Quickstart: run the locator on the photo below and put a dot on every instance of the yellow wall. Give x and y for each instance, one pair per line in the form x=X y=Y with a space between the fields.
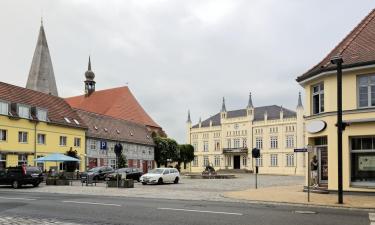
x=350 y=112
x=52 y=132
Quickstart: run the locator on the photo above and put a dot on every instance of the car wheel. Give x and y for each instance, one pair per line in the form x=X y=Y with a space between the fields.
x=36 y=184
x=176 y=180
x=160 y=181
x=144 y=183
x=15 y=184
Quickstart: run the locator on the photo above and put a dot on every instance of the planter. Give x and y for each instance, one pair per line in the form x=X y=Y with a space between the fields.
x=62 y=182
x=50 y=181
x=121 y=183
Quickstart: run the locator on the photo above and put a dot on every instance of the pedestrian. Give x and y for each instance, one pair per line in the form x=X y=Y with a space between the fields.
x=314 y=171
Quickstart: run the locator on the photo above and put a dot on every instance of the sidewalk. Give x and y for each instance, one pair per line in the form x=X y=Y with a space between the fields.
x=294 y=194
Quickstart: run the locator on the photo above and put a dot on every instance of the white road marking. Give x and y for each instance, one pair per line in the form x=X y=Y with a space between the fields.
x=305 y=212
x=192 y=210
x=92 y=203
x=26 y=199
x=371 y=217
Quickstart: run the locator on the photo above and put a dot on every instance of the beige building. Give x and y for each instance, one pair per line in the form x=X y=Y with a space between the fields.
x=226 y=139
x=358 y=94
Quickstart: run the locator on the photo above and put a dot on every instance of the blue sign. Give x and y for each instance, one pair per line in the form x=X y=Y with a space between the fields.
x=103 y=145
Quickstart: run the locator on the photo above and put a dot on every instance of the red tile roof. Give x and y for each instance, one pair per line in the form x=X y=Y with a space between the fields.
x=356 y=49
x=56 y=107
x=116 y=102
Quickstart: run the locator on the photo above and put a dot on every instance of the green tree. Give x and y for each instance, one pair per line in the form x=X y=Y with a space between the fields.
x=166 y=150
x=71 y=166
x=122 y=162
x=186 y=154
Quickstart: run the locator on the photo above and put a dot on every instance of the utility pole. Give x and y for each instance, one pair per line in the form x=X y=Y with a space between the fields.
x=337 y=60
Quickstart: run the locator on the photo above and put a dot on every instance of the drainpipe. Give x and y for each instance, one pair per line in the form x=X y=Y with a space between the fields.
x=35 y=138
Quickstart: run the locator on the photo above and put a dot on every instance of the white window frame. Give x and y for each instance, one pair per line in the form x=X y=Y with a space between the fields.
x=259 y=142
x=369 y=85
x=195 y=161
x=23 y=111
x=63 y=140
x=23 y=136
x=217 y=161
x=41 y=141
x=4 y=108
x=42 y=114
x=274 y=142
x=290 y=160
x=273 y=160
x=206 y=160
x=3 y=135
x=259 y=161
x=290 y=141
x=217 y=145
x=320 y=94
x=77 y=142
x=205 y=146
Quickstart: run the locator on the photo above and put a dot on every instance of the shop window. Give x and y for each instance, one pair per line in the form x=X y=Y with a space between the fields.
x=3 y=161
x=363 y=161
x=22 y=159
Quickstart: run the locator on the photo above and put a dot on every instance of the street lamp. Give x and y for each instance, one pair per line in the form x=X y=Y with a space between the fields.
x=337 y=60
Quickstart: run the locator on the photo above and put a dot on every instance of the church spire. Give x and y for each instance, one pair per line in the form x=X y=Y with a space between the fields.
x=89 y=82
x=299 y=101
x=41 y=76
x=189 y=119
x=223 y=108
x=250 y=103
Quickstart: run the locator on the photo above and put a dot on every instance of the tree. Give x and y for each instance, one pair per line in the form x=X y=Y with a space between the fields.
x=122 y=162
x=186 y=154
x=71 y=166
x=166 y=150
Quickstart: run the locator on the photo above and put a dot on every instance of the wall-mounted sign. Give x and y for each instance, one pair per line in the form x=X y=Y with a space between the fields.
x=103 y=145
x=316 y=126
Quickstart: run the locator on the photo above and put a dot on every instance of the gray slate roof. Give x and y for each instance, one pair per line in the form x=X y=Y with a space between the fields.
x=273 y=112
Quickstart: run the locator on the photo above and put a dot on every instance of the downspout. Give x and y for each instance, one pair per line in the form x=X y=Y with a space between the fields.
x=35 y=138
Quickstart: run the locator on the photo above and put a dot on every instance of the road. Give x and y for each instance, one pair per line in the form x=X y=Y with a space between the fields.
x=46 y=208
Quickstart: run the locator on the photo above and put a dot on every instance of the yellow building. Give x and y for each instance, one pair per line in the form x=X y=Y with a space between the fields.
x=226 y=139
x=358 y=88
x=34 y=124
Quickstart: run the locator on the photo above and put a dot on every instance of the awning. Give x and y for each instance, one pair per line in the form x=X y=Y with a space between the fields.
x=57 y=157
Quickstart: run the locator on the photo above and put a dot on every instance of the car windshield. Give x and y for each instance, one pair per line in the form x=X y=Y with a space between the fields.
x=95 y=169
x=157 y=171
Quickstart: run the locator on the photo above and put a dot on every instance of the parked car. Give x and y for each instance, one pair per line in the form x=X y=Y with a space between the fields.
x=21 y=175
x=96 y=173
x=131 y=173
x=160 y=176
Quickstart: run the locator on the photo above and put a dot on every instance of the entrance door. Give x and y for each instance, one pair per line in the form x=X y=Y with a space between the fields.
x=236 y=162
x=323 y=164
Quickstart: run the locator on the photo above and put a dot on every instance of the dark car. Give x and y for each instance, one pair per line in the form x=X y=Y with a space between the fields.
x=21 y=175
x=96 y=173
x=131 y=173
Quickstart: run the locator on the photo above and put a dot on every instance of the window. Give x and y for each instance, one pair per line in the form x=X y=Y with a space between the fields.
x=42 y=139
x=318 y=99
x=236 y=143
x=244 y=142
x=4 y=108
x=76 y=122
x=3 y=135
x=205 y=146
x=217 y=145
x=229 y=161
x=92 y=144
x=229 y=143
x=3 y=161
x=195 y=145
x=259 y=143
x=217 y=161
x=67 y=120
x=24 y=111
x=244 y=160
x=77 y=142
x=273 y=159
x=259 y=161
x=274 y=142
x=62 y=140
x=290 y=141
x=195 y=162
x=41 y=114
x=205 y=161
x=205 y=136
x=22 y=137
x=289 y=160
x=366 y=91
x=22 y=159
x=363 y=160
x=112 y=163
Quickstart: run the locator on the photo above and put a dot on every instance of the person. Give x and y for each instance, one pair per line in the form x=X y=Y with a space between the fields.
x=314 y=171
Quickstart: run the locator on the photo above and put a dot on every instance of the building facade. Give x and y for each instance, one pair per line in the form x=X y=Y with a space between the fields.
x=34 y=124
x=358 y=87
x=105 y=132
x=226 y=139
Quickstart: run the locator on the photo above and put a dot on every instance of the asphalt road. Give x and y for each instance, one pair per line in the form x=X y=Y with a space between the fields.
x=47 y=208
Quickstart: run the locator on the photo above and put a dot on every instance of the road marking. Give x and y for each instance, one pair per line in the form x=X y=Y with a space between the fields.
x=371 y=217
x=305 y=212
x=192 y=210
x=26 y=199
x=92 y=203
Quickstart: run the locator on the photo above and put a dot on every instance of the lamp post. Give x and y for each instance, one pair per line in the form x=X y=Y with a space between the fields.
x=337 y=60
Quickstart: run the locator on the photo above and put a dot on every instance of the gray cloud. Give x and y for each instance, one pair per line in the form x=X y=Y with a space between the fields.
x=179 y=55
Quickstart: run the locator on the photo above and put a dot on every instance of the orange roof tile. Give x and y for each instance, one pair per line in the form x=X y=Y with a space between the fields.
x=115 y=102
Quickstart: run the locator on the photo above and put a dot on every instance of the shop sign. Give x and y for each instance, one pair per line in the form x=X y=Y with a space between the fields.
x=316 y=126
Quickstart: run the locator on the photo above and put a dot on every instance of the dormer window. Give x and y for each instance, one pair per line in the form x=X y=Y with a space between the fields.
x=105 y=129
x=24 y=111
x=117 y=131
x=4 y=108
x=67 y=120
x=41 y=114
x=95 y=127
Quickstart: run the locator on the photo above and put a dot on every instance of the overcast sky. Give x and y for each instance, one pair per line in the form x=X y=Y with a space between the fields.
x=177 y=55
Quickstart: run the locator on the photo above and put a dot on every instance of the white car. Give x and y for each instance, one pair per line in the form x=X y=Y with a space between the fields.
x=161 y=175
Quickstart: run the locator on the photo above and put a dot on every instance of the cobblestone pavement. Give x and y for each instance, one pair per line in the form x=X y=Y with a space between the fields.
x=190 y=189
x=18 y=220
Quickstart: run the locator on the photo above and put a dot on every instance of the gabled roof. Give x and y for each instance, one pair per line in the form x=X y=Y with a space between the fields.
x=57 y=108
x=41 y=76
x=356 y=49
x=106 y=127
x=115 y=102
x=273 y=112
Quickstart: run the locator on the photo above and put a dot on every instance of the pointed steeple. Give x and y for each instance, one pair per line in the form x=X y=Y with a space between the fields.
x=189 y=119
x=223 y=108
x=89 y=82
x=250 y=103
x=41 y=76
x=299 y=101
